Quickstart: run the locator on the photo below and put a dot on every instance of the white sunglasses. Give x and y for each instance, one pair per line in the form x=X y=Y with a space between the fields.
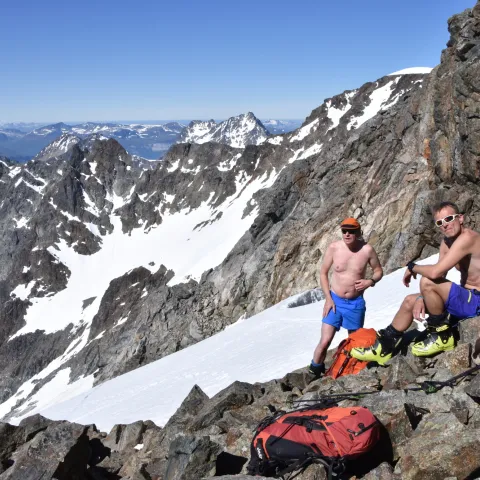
x=446 y=220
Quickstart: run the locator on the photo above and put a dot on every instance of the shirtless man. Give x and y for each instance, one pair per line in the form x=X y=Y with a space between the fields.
x=446 y=302
x=344 y=303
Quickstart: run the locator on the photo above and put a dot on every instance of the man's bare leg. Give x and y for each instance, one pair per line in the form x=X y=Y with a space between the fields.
x=328 y=332
x=435 y=294
x=404 y=317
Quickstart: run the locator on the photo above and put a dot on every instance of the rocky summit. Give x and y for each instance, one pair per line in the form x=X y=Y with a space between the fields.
x=107 y=263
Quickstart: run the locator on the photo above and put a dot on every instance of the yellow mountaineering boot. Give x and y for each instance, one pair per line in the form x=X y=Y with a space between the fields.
x=439 y=339
x=381 y=351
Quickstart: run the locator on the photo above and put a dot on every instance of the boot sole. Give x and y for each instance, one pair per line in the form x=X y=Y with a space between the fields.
x=431 y=354
x=373 y=360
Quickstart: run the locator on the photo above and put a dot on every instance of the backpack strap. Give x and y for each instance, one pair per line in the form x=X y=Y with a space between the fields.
x=340 y=350
x=344 y=364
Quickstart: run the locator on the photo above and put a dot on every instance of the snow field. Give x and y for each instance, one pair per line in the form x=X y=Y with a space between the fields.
x=260 y=348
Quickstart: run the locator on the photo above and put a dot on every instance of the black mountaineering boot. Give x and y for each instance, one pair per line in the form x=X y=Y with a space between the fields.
x=317 y=370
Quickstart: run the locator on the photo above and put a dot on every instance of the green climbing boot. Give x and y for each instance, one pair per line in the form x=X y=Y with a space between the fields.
x=439 y=339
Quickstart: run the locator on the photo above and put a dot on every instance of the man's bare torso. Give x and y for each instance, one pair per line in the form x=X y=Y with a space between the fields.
x=348 y=267
x=469 y=266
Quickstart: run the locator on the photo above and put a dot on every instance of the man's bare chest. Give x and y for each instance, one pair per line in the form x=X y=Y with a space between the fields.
x=354 y=263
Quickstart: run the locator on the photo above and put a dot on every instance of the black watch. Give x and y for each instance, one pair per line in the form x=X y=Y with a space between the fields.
x=373 y=282
x=410 y=266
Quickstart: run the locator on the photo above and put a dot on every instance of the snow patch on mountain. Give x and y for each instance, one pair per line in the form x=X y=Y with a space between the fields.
x=304 y=131
x=314 y=149
x=228 y=164
x=335 y=114
x=275 y=140
x=14 y=172
x=56 y=390
x=412 y=71
x=378 y=100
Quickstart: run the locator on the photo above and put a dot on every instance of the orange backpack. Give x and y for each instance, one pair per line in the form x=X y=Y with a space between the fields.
x=285 y=442
x=342 y=362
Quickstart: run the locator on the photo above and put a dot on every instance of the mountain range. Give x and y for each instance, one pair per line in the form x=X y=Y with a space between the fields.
x=151 y=142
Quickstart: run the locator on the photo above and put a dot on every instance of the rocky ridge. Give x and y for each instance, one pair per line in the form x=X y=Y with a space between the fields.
x=431 y=436
x=382 y=153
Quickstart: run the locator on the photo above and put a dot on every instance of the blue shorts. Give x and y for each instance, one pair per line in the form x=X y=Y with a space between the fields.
x=463 y=303
x=350 y=313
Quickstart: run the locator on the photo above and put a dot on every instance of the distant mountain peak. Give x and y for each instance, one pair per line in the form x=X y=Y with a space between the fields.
x=239 y=131
x=58 y=147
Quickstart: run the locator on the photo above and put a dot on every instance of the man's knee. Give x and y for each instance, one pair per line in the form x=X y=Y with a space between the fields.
x=427 y=284
x=409 y=301
x=325 y=342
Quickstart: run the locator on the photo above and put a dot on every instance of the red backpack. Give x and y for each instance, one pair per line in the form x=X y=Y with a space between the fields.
x=286 y=442
x=342 y=362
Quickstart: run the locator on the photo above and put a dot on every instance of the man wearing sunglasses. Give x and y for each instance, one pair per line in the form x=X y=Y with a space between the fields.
x=446 y=302
x=344 y=303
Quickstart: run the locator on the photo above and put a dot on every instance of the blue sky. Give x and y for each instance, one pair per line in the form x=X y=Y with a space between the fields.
x=145 y=60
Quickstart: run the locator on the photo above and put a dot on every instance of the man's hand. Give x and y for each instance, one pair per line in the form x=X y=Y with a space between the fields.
x=361 y=285
x=419 y=309
x=407 y=277
x=329 y=305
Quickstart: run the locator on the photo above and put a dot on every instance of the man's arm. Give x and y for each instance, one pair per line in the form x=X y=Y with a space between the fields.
x=407 y=276
x=324 y=269
x=374 y=263
x=460 y=249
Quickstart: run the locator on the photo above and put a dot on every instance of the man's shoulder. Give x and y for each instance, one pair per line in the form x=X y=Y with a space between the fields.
x=472 y=238
x=468 y=239
x=368 y=249
x=469 y=235
x=337 y=247
x=334 y=245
